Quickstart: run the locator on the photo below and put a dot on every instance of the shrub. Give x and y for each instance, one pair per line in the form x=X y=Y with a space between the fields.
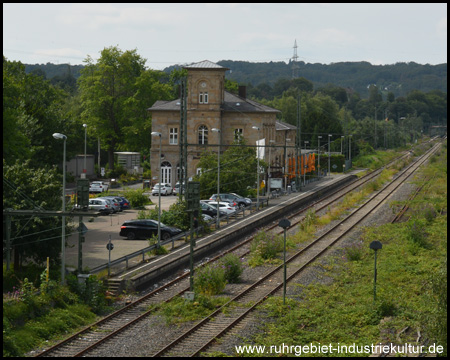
x=210 y=280
x=233 y=268
x=136 y=197
x=264 y=247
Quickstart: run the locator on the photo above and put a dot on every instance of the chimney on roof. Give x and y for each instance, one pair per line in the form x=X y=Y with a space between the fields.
x=243 y=91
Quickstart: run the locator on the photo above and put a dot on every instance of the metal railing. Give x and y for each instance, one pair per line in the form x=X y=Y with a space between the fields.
x=264 y=202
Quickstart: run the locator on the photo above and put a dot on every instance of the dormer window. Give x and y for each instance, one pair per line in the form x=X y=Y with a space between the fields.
x=203 y=98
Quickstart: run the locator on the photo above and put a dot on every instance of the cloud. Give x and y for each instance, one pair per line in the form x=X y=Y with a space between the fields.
x=62 y=52
x=441 y=29
x=97 y=16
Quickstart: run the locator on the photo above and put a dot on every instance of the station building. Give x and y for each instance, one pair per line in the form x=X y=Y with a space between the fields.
x=210 y=106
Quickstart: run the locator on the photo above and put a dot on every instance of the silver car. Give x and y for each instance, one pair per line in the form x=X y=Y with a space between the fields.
x=101 y=205
x=114 y=204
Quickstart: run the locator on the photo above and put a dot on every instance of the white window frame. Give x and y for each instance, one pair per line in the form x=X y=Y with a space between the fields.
x=173 y=136
x=203 y=98
x=238 y=134
x=202 y=135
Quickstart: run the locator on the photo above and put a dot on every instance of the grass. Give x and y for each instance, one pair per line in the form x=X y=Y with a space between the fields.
x=411 y=286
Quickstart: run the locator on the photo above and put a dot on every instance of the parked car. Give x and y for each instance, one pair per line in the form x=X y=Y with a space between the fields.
x=124 y=203
x=223 y=206
x=145 y=229
x=101 y=205
x=210 y=210
x=115 y=201
x=166 y=189
x=176 y=188
x=239 y=200
x=98 y=187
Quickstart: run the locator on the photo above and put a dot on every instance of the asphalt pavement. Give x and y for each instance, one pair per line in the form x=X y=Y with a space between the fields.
x=100 y=229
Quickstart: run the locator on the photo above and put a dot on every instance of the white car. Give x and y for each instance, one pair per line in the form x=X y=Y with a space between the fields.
x=223 y=206
x=98 y=187
x=166 y=189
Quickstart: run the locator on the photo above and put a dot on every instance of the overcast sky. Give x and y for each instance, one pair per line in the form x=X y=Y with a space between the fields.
x=168 y=34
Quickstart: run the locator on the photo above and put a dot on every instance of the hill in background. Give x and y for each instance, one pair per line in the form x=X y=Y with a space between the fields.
x=400 y=78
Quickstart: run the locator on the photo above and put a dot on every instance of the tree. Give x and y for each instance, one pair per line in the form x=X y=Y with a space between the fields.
x=237 y=170
x=28 y=188
x=32 y=111
x=115 y=93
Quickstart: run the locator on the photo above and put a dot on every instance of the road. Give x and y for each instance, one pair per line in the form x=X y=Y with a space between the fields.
x=100 y=229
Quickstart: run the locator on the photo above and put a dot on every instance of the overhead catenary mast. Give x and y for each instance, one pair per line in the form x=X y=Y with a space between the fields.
x=295 y=66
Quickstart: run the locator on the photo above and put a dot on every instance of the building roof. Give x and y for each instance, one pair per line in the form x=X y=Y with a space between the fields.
x=280 y=125
x=232 y=103
x=205 y=64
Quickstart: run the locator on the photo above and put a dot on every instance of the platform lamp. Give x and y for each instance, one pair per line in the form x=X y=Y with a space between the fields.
x=59 y=136
x=155 y=133
x=329 y=155
x=318 y=152
x=257 y=170
x=218 y=178
x=85 y=141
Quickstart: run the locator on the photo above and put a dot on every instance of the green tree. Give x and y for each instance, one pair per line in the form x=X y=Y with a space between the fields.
x=32 y=110
x=237 y=170
x=115 y=93
x=26 y=188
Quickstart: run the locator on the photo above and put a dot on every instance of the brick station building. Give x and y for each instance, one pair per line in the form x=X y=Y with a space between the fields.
x=210 y=106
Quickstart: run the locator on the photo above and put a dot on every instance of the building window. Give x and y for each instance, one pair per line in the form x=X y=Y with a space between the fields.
x=238 y=134
x=173 y=136
x=203 y=135
x=203 y=98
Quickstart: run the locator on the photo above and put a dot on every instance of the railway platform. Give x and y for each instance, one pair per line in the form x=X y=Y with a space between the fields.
x=138 y=274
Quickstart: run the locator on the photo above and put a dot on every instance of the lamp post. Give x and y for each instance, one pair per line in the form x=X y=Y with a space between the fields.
x=270 y=152
x=342 y=141
x=350 y=150
x=63 y=226
x=155 y=133
x=304 y=166
x=257 y=167
x=84 y=164
x=218 y=178
x=318 y=162
x=329 y=155
x=285 y=223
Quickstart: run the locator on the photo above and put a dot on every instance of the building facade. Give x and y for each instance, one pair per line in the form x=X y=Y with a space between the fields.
x=210 y=106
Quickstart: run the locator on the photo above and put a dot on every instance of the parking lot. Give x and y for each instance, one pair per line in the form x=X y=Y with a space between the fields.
x=100 y=229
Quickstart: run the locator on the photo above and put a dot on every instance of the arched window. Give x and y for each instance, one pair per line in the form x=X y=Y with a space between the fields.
x=203 y=135
x=166 y=172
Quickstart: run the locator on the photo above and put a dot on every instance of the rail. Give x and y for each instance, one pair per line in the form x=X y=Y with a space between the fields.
x=229 y=218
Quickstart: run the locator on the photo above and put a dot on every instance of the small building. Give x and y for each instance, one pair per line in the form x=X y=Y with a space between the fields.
x=131 y=161
x=75 y=166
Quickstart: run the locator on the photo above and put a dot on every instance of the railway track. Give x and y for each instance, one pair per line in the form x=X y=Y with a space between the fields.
x=207 y=331
x=84 y=341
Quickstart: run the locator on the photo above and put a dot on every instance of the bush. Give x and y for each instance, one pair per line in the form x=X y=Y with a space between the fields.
x=210 y=280
x=264 y=247
x=136 y=197
x=233 y=268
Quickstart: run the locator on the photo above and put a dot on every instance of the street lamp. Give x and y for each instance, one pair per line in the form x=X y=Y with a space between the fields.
x=155 y=133
x=218 y=178
x=85 y=136
x=59 y=136
x=257 y=170
x=270 y=152
x=318 y=162
x=342 y=141
x=329 y=155
x=304 y=166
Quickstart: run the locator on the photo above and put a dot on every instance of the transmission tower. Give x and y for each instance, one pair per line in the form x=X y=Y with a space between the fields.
x=295 y=66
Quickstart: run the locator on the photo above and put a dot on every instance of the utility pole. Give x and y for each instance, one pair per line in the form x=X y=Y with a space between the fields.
x=298 y=145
